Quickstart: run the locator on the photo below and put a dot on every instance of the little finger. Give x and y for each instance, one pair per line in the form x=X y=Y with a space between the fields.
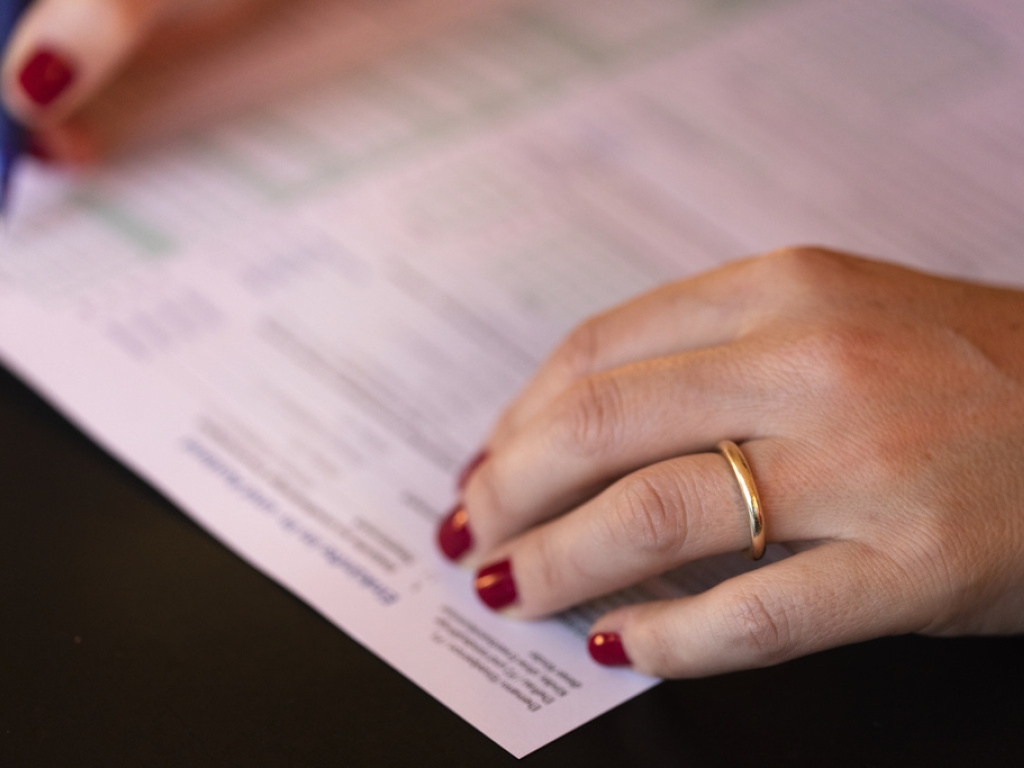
x=838 y=593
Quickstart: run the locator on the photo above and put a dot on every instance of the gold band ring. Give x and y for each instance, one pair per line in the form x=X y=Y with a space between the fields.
x=748 y=489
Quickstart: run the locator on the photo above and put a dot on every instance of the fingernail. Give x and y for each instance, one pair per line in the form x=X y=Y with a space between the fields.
x=496 y=586
x=606 y=648
x=46 y=76
x=469 y=469
x=453 y=537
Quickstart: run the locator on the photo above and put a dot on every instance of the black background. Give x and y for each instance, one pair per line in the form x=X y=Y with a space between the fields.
x=128 y=636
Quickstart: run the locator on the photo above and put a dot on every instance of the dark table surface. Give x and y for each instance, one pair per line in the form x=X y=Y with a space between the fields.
x=129 y=637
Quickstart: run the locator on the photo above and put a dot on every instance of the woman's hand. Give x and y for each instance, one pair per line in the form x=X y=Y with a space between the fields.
x=64 y=51
x=881 y=411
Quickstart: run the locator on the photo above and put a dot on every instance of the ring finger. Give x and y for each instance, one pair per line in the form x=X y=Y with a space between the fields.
x=607 y=426
x=647 y=523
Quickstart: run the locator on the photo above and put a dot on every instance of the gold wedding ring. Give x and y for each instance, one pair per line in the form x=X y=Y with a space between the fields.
x=748 y=489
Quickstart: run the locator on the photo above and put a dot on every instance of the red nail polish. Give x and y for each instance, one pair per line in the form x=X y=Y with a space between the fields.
x=469 y=469
x=606 y=648
x=46 y=76
x=496 y=586
x=453 y=537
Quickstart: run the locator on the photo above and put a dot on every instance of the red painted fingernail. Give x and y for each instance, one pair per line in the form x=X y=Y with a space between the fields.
x=496 y=586
x=453 y=537
x=469 y=469
x=606 y=648
x=46 y=76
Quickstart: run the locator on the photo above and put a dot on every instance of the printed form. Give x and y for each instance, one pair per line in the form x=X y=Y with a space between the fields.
x=298 y=317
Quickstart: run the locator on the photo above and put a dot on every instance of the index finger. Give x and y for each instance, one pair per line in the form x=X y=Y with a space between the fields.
x=63 y=51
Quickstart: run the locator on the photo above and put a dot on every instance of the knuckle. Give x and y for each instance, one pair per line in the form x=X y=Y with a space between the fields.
x=547 y=567
x=804 y=279
x=806 y=266
x=580 y=353
x=559 y=576
x=660 y=646
x=592 y=415
x=844 y=353
x=839 y=361
x=491 y=521
x=760 y=626
x=650 y=518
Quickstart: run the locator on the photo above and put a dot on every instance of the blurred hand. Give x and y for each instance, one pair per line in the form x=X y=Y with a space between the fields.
x=65 y=51
x=881 y=411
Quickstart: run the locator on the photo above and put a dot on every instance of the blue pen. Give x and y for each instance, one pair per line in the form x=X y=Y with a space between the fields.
x=12 y=135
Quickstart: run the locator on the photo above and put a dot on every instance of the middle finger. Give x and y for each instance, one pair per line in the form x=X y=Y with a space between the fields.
x=606 y=426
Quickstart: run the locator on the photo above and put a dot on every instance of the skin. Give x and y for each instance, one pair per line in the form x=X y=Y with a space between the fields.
x=881 y=411
x=100 y=40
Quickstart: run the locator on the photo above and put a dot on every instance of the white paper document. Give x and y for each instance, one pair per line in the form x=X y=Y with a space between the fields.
x=297 y=315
